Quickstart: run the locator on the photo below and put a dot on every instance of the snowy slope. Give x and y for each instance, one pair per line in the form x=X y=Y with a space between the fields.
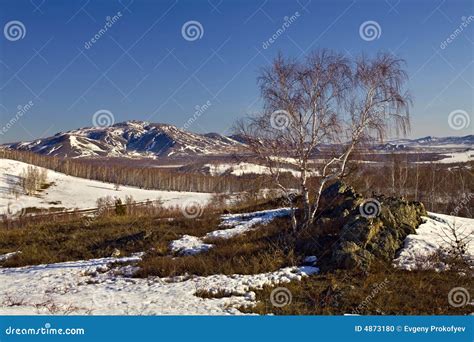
x=432 y=235
x=73 y=192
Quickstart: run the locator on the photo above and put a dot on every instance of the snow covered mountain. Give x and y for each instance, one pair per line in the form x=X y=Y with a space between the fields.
x=144 y=139
x=427 y=142
x=129 y=139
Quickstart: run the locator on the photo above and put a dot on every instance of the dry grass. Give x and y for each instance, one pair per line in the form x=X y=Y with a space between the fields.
x=76 y=238
x=210 y=295
x=383 y=291
x=261 y=250
x=79 y=239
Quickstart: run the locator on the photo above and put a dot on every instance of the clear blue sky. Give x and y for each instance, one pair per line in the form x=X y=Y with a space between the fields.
x=142 y=68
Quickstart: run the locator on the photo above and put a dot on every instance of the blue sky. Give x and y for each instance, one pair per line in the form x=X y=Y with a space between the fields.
x=143 y=68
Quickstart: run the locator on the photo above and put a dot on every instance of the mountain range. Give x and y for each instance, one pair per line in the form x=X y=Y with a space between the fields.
x=129 y=139
x=427 y=142
x=144 y=139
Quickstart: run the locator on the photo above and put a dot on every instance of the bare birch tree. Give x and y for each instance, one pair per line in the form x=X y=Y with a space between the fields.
x=32 y=179
x=325 y=100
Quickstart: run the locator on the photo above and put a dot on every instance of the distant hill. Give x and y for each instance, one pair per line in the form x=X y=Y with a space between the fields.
x=129 y=139
x=154 y=140
x=427 y=142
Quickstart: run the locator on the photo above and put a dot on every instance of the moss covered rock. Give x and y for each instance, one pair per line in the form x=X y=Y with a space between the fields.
x=353 y=231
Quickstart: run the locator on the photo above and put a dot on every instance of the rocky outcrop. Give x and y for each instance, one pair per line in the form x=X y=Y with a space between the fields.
x=353 y=231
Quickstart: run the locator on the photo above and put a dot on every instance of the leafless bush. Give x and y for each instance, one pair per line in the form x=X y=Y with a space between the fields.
x=10 y=301
x=104 y=205
x=457 y=240
x=56 y=309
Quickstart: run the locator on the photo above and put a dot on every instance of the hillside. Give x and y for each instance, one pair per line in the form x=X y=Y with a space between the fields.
x=72 y=192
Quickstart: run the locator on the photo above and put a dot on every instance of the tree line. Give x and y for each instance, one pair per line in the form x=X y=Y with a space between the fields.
x=143 y=177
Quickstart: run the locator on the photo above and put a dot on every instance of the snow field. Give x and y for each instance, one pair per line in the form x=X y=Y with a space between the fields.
x=73 y=192
x=91 y=287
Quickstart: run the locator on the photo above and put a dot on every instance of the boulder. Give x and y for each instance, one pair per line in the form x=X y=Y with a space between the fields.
x=353 y=231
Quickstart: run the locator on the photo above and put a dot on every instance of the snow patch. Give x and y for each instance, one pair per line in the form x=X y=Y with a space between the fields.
x=91 y=287
x=242 y=223
x=4 y=257
x=430 y=238
x=312 y=259
x=189 y=245
x=239 y=223
x=244 y=168
x=455 y=157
